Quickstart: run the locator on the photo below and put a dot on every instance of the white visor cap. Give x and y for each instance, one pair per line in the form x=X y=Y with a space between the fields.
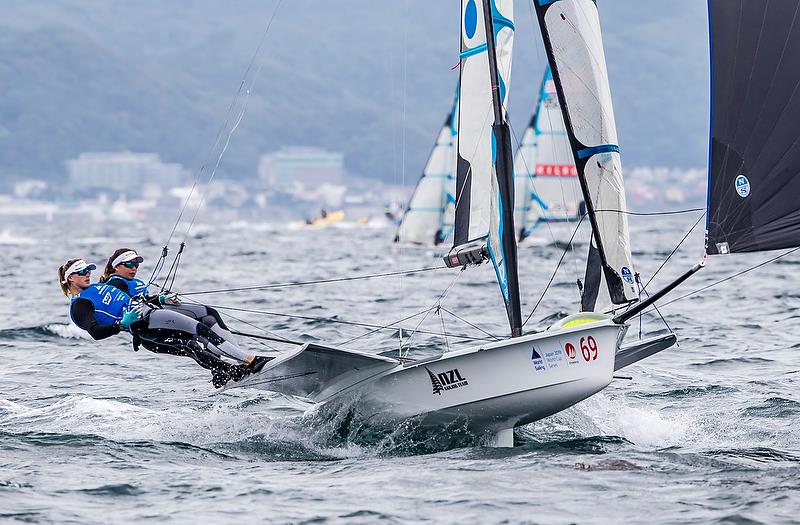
x=77 y=266
x=128 y=256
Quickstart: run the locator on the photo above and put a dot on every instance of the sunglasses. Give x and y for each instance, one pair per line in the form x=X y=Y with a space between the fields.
x=84 y=272
x=130 y=264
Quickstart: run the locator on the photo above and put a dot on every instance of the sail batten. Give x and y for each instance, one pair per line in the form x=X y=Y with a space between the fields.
x=754 y=157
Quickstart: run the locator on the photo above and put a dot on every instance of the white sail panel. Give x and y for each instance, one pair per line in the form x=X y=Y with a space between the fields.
x=475 y=117
x=573 y=27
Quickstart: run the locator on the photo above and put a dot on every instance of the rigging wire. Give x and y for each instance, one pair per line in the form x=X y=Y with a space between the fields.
x=558 y=265
x=575 y=231
x=759 y=265
x=436 y=306
x=340 y=321
x=495 y=337
x=644 y=288
x=318 y=281
x=219 y=135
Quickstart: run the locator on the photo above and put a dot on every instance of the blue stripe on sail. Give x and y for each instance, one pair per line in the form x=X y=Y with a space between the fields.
x=547 y=2
x=499 y=21
x=474 y=51
x=604 y=148
x=540 y=201
x=501 y=280
x=438 y=175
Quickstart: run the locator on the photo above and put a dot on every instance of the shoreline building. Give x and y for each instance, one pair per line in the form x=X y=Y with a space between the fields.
x=123 y=172
x=294 y=169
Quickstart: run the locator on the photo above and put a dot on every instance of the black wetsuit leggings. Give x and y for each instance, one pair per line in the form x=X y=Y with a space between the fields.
x=166 y=331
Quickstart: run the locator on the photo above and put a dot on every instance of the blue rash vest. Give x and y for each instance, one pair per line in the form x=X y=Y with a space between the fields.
x=109 y=302
x=135 y=286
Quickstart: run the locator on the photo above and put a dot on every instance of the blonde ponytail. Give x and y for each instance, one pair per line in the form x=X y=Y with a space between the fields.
x=62 y=280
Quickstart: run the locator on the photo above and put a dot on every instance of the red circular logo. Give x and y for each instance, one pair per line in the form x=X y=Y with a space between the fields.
x=569 y=348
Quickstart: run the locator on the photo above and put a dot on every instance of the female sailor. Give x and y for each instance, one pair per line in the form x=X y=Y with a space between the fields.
x=120 y=272
x=103 y=311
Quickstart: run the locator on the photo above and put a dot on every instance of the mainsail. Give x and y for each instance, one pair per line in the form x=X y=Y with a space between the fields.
x=754 y=161
x=571 y=33
x=545 y=177
x=429 y=216
x=484 y=215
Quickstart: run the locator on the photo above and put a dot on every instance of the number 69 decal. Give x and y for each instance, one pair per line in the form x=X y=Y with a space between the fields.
x=589 y=348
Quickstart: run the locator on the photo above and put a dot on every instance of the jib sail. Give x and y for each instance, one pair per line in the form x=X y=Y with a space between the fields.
x=571 y=33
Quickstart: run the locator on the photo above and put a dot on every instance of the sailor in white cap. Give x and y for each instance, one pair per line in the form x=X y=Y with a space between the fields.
x=104 y=310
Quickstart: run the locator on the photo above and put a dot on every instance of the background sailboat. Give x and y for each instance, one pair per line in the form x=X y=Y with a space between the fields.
x=545 y=178
x=428 y=219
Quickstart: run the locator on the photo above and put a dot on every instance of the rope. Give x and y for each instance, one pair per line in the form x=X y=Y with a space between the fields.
x=319 y=281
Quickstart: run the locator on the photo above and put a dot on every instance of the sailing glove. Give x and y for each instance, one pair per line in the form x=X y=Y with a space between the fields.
x=130 y=317
x=169 y=299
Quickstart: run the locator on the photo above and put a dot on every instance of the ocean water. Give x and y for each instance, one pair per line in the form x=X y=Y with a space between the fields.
x=92 y=432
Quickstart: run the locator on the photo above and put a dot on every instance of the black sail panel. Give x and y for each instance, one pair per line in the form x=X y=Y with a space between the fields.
x=754 y=171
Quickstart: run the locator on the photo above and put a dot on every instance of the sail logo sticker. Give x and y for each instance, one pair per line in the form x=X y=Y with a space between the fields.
x=742 y=186
x=446 y=380
x=626 y=274
x=572 y=353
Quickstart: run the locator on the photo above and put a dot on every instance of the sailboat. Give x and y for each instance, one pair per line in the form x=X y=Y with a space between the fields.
x=754 y=178
x=500 y=385
x=545 y=177
x=428 y=219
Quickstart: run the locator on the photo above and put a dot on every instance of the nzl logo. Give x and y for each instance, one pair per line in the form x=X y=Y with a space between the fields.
x=446 y=380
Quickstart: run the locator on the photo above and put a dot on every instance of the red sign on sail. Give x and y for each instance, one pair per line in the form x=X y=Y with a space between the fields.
x=556 y=170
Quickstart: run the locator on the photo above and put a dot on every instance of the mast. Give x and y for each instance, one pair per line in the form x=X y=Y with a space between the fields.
x=573 y=28
x=504 y=173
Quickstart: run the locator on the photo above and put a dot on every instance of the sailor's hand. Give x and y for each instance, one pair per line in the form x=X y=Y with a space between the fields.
x=171 y=298
x=130 y=317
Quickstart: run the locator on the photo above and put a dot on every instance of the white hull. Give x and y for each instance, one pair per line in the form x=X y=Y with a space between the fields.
x=491 y=388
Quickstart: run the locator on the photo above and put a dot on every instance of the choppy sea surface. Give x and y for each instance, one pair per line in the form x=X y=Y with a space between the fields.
x=92 y=432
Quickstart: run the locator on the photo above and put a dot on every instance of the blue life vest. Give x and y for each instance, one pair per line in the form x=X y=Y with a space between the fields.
x=135 y=286
x=109 y=302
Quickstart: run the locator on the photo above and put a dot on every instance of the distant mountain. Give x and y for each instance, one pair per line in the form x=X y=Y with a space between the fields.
x=370 y=79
